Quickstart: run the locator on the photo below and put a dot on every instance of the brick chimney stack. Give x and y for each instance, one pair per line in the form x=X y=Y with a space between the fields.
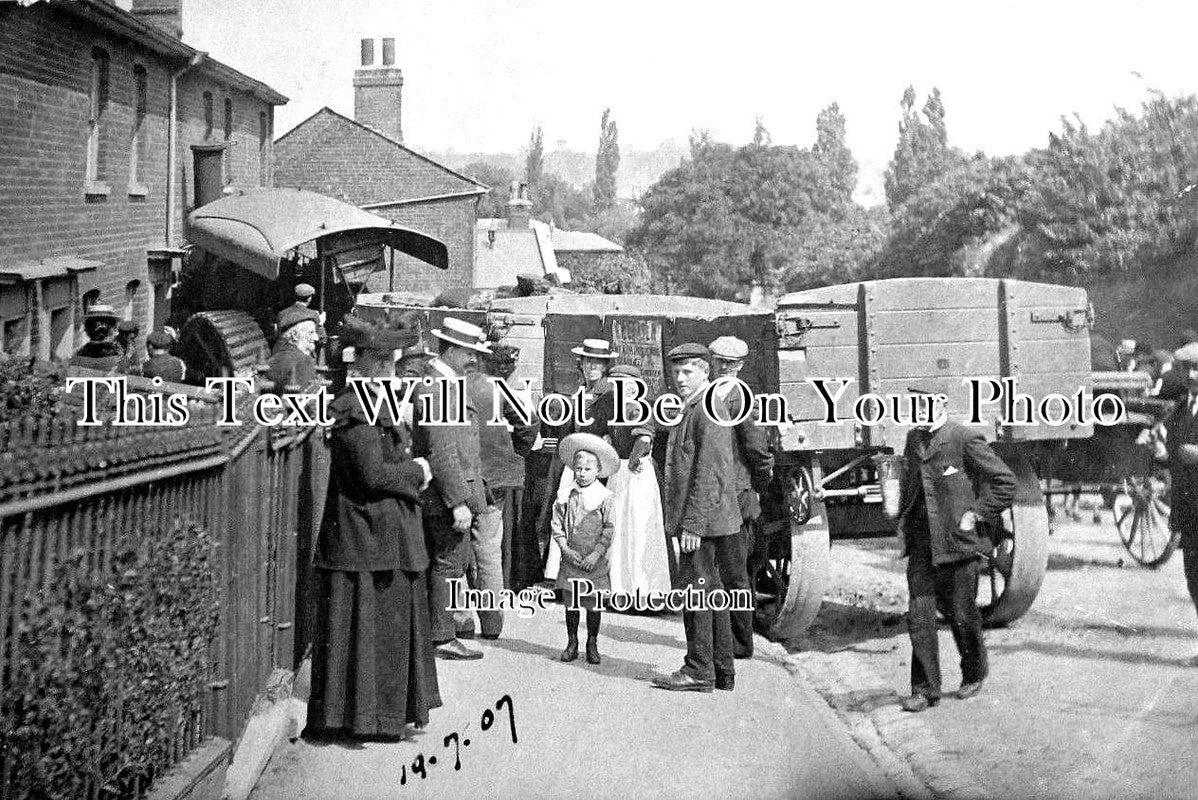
x=166 y=15
x=378 y=91
x=519 y=207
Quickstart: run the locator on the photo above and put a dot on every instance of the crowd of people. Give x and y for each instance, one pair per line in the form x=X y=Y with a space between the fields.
x=413 y=508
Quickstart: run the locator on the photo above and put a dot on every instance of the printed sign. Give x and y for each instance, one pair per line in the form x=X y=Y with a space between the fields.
x=638 y=341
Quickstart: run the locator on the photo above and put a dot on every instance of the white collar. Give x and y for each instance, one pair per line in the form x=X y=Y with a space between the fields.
x=592 y=496
x=442 y=368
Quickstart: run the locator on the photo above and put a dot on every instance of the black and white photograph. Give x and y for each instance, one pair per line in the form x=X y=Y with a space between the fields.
x=518 y=399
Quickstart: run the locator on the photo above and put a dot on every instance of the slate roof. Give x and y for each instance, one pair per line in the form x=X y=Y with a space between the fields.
x=581 y=242
x=337 y=156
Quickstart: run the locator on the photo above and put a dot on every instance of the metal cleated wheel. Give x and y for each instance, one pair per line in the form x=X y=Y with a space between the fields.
x=790 y=585
x=222 y=343
x=1141 y=511
x=1013 y=568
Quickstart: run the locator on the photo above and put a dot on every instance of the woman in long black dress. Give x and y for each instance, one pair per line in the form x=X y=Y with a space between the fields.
x=373 y=667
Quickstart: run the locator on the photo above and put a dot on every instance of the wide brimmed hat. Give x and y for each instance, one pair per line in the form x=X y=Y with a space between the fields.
x=594 y=348
x=462 y=334
x=362 y=335
x=609 y=460
x=101 y=311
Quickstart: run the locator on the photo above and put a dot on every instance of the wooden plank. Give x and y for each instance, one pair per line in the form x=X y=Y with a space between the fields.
x=917 y=361
x=1054 y=357
x=818 y=362
x=935 y=325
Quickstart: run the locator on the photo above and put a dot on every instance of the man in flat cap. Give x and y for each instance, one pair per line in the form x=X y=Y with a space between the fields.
x=457 y=495
x=1181 y=444
x=301 y=310
x=952 y=482
x=161 y=364
x=702 y=513
x=753 y=466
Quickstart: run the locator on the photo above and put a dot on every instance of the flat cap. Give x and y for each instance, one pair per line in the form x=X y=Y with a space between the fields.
x=729 y=347
x=1187 y=353
x=304 y=290
x=625 y=370
x=159 y=340
x=293 y=315
x=688 y=350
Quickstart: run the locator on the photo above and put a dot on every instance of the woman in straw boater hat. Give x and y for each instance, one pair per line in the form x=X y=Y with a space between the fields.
x=100 y=352
x=582 y=527
x=373 y=668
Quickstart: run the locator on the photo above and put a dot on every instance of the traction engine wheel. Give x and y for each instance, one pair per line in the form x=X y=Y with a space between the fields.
x=222 y=343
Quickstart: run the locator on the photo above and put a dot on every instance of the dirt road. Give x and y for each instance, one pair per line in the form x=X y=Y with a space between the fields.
x=1088 y=695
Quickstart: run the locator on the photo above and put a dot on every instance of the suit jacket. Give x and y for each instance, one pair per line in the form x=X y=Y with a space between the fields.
x=959 y=472
x=752 y=460
x=1182 y=428
x=700 y=484
x=503 y=450
x=372 y=514
x=453 y=451
x=291 y=366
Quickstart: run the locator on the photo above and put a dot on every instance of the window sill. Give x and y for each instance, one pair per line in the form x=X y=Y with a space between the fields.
x=139 y=191
x=96 y=189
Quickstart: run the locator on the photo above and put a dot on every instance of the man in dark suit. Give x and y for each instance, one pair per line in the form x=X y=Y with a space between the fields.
x=1181 y=443
x=457 y=494
x=702 y=512
x=754 y=466
x=953 y=481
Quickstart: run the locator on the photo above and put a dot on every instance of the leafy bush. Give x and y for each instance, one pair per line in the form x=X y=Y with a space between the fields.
x=110 y=666
x=28 y=388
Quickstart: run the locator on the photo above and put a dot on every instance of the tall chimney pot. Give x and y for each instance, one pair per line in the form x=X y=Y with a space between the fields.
x=388 y=52
x=378 y=91
x=368 y=52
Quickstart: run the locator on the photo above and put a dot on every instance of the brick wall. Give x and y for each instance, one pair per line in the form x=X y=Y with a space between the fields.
x=452 y=222
x=45 y=108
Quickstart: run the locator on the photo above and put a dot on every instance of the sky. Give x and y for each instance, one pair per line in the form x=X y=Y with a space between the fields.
x=478 y=75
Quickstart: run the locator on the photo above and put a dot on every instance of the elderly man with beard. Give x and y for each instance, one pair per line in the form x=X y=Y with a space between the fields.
x=754 y=467
x=702 y=512
x=292 y=365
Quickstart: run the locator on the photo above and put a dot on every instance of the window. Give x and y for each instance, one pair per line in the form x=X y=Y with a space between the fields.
x=16 y=336
x=263 y=149
x=228 y=140
x=131 y=289
x=208 y=116
x=96 y=166
x=137 y=145
x=61 y=327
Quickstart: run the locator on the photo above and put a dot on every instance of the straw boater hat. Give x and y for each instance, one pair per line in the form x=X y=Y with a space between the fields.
x=101 y=311
x=463 y=334
x=609 y=460
x=594 y=348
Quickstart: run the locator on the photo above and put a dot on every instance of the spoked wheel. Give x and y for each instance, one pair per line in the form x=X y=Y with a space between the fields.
x=790 y=585
x=222 y=343
x=1013 y=567
x=1141 y=512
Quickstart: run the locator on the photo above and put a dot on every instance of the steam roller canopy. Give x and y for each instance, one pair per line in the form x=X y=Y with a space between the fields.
x=222 y=343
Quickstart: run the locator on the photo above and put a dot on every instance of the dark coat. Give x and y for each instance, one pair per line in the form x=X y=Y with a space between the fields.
x=752 y=459
x=503 y=451
x=290 y=366
x=372 y=514
x=1182 y=428
x=700 y=482
x=959 y=472
x=453 y=451
x=164 y=366
x=103 y=356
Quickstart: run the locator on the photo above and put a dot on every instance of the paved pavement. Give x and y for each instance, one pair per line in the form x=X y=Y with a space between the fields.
x=586 y=731
x=1088 y=697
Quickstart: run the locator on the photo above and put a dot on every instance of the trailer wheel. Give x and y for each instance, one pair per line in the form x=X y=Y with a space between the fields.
x=222 y=343
x=792 y=582
x=1013 y=568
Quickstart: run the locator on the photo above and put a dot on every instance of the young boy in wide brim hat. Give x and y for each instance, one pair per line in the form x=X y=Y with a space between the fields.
x=583 y=526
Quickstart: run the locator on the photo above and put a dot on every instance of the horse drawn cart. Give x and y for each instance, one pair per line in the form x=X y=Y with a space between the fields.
x=1122 y=465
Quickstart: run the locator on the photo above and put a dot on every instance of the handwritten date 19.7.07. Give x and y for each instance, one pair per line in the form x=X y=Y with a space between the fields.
x=421 y=764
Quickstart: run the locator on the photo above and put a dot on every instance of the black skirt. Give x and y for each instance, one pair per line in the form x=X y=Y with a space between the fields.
x=374 y=670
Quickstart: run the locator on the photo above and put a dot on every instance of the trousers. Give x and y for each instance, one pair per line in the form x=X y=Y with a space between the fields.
x=484 y=569
x=448 y=551
x=737 y=577
x=1189 y=562
x=708 y=633
x=953 y=587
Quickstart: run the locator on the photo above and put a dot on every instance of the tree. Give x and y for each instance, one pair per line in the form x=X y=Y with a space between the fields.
x=607 y=163
x=922 y=153
x=494 y=203
x=534 y=162
x=834 y=154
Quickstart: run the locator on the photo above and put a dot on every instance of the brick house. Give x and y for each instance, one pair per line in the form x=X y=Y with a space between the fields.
x=98 y=108
x=364 y=161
